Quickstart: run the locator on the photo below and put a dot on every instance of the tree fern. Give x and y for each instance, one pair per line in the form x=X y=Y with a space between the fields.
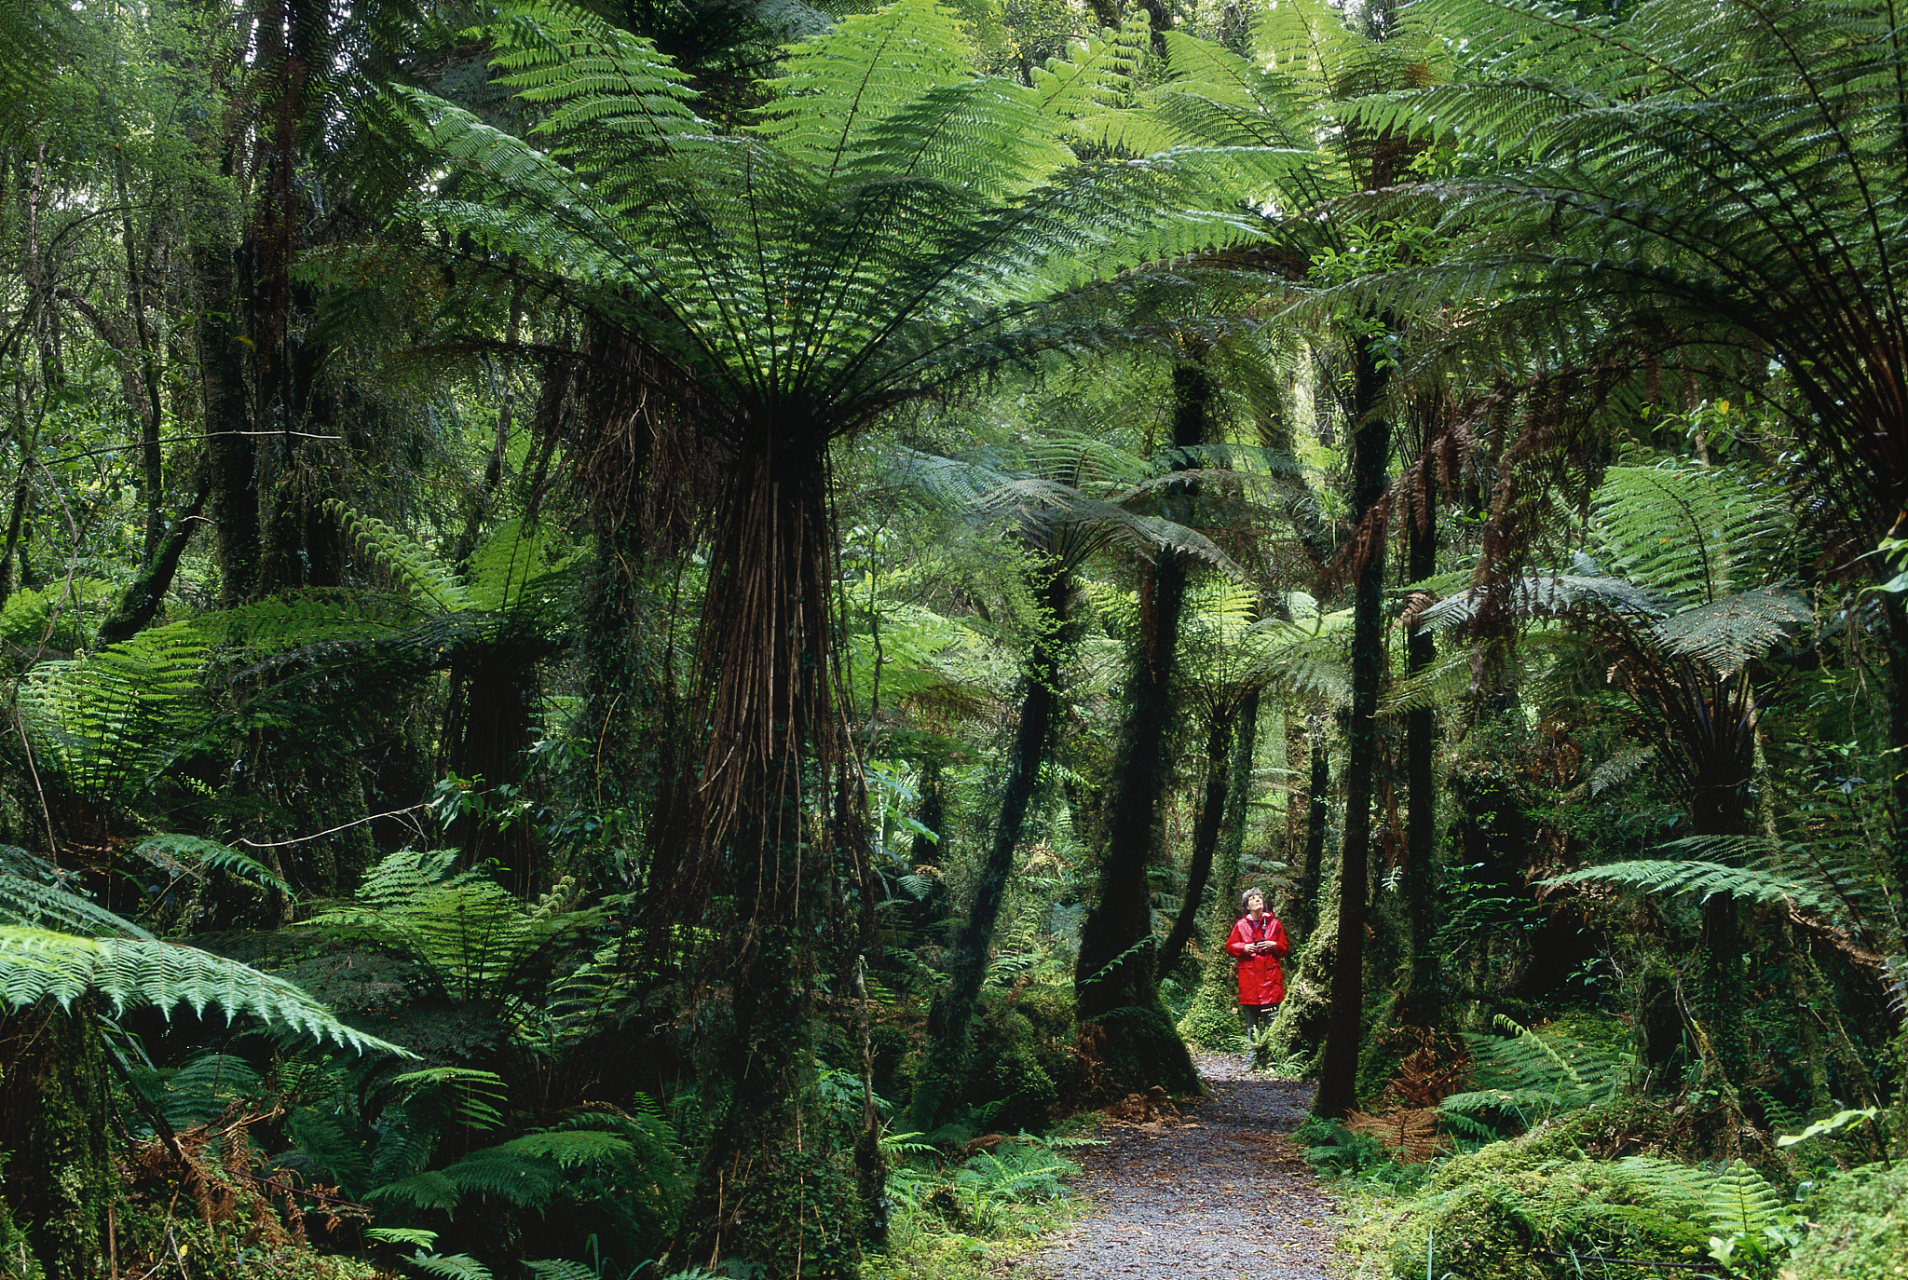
x=474 y=938
x=1728 y=173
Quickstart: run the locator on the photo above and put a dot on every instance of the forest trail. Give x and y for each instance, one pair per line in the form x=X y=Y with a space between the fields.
x=1217 y=1192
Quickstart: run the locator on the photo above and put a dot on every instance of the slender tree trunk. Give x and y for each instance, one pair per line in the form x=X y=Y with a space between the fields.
x=1317 y=817
x=141 y=600
x=1124 y=1029
x=1212 y=1020
x=1421 y=819
x=1205 y=837
x=944 y=1072
x=1371 y=452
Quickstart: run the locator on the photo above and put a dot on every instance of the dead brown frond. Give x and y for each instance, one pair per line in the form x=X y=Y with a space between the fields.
x=1410 y=1134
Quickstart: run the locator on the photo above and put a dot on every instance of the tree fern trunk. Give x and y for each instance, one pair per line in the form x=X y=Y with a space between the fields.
x=760 y=868
x=54 y=1121
x=1371 y=453
x=945 y=1065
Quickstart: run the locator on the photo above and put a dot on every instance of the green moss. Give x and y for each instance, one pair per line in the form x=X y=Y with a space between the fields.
x=60 y=1179
x=801 y=1218
x=1492 y=1214
x=1860 y=1228
x=1023 y=1064
x=1212 y=1020
x=1499 y=1223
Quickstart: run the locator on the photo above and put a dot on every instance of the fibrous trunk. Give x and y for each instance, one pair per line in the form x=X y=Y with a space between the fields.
x=766 y=841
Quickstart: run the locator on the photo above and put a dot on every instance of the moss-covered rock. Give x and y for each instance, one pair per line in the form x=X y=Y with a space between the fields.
x=1861 y=1228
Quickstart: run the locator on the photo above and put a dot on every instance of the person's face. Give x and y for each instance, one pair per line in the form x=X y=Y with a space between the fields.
x=1255 y=904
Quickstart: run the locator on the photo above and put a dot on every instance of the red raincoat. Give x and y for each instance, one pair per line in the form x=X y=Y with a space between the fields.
x=1261 y=977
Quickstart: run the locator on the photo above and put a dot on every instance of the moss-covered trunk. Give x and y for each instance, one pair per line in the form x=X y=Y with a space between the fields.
x=944 y=1066
x=54 y=1122
x=1125 y=1031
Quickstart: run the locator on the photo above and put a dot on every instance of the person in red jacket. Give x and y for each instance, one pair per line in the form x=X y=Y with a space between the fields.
x=1257 y=942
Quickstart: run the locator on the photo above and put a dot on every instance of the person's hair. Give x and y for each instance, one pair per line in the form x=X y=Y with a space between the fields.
x=1246 y=897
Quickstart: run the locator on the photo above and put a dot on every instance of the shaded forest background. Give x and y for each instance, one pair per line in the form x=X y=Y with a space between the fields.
x=656 y=639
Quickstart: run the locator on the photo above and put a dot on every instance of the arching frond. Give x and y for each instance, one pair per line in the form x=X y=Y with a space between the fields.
x=194 y=856
x=36 y=965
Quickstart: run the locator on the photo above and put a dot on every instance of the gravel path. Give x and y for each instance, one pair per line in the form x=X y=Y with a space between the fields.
x=1216 y=1192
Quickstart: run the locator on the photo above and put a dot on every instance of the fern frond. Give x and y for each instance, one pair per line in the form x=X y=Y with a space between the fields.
x=35 y=893
x=475 y=1096
x=1741 y=1201
x=431 y=582
x=1668 y=878
x=450 y=1266
x=1728 y=631
x=1695 y=533
x=204 y=1089
x=836 y=91
x=515 y=568
x=1621 y=765
x=471 y=935
x=109 y=722
x=37 y=965
x=560 y=1269
x=182 y=855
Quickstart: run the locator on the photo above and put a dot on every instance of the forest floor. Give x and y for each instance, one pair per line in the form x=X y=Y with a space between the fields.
x=1211 y=1189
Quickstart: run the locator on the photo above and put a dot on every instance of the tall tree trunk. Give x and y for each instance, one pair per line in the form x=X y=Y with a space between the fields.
x=944 y=1072
x=1205 y=837
x=1421 y=815
x=1371 y=452
x=231 y=467
x=1124 y=1029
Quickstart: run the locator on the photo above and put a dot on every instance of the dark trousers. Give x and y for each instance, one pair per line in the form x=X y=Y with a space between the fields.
x=1258 y=1019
